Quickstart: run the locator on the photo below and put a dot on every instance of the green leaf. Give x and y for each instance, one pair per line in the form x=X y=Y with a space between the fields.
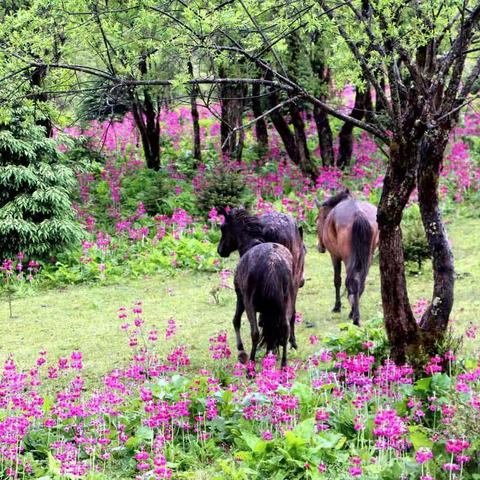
x=441 y=383
x=423 y=384
x=419 y=439
x=256 y=444
x=329 y=439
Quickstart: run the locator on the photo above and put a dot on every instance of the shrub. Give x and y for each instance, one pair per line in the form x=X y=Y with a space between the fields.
x=36 y=215
x=223 y=187
x=415 y=243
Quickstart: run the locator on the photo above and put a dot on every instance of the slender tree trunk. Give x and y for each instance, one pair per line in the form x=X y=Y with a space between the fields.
x=36 y=79
x=232 y=101
x=261 y=131
x=306 y=164
x=400 y=323
x=435 y=319
x=325 y=137
x=282 y=127
x=148 y=124
x=147 y=121
x=197 y=145
x=345 y=137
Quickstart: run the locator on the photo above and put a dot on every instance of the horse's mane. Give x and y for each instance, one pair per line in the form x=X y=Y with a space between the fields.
x=336 y=199
x=250 y=223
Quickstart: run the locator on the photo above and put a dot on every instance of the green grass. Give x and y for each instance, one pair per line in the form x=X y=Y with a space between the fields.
x=85 y=317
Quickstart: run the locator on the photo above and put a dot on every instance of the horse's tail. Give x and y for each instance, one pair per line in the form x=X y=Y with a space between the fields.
x=359 y=263
x=276 y=293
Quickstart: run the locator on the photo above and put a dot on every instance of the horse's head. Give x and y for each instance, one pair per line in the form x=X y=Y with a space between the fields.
x=320 y=221
x=238 y=230
x=228 y=241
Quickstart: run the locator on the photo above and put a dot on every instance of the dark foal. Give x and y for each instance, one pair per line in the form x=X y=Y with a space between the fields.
x=348 y=229
x=240 y=228
x=264 y=284
x=244 y=232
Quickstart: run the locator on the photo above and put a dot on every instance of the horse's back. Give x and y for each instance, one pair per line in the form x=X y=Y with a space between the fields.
x=283 y=229
x=264 y=269
x=339 y=223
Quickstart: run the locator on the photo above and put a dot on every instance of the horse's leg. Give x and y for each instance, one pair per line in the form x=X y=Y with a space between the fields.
x=355 y=313
x=284 y=340
x=337 y=280
x=242 y=354
x=353 y=289
x=293 y=340
x=252 y=318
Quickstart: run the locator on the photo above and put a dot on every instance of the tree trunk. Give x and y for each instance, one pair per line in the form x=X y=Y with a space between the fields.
x=261 y=131
x=147 y=121
x=148 y=124
x=282 y=128
x=435 y=320
x=36 y=80
x=197 y=145
x=232 y=101
x=402 y=329
x=325 y=137
x=306 y=164
x=345 y=137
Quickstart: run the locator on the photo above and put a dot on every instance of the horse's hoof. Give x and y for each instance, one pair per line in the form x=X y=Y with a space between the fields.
x=350 y=315
x=356 y=322
x=336 y=309
x=293 y=344
x=243 y=357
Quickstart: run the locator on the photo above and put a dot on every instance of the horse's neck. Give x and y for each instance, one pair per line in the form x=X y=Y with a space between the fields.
x=247 y=244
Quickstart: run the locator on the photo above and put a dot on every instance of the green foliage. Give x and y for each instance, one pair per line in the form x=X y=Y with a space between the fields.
x=159 y=193
x=415 y=243
x=370 y=337
x=104 y=102
x=223 y=187
x=36 y=215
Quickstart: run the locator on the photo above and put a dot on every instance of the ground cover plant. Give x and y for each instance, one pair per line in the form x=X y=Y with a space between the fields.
x=181 y=407
x=128 y=132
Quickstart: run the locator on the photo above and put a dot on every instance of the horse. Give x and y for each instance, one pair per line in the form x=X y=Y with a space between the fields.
x=264 y=283
x=240 y=228
x=348 y=229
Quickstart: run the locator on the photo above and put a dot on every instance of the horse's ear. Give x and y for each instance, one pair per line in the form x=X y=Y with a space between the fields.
x=347 y=191
x=317 y=202
x=300 y=229
x=222 y=211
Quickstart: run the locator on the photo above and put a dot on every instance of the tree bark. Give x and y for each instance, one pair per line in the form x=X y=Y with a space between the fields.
x=232 y=101
x=282 y=128
x=36 y=79
x=261 y=131
x=197 y=144
x=435 y=319
x=147 y=121
x=399 y=182
x=345 y=137
x=325 y=137
x=306 y=164
x=148 y=125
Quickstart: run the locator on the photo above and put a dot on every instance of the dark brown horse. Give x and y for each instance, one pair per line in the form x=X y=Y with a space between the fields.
x=264 y=284
x=240 y=228
x=260 y=280
x=348 y=229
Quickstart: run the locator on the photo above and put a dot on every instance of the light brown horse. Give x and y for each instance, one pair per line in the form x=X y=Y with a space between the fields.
x=348 y=229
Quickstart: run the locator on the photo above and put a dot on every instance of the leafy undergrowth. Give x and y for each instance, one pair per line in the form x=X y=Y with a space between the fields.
x=346 y=411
